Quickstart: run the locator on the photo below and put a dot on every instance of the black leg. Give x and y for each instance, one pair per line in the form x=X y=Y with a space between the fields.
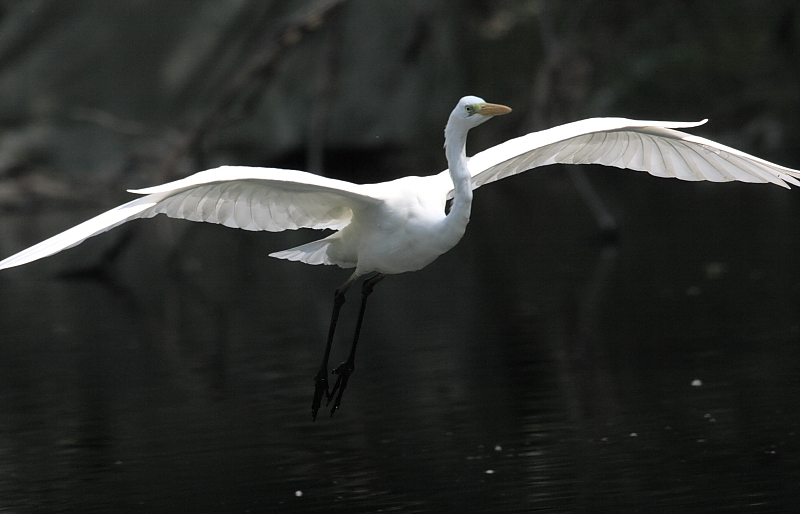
x=321 y=379
x=346 y=368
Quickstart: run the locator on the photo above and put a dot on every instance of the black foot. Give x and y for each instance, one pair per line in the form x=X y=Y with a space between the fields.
x=344 y=371
x=320 y=389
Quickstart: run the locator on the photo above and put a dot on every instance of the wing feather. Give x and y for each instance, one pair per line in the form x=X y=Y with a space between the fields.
x=262 y=199
x=651 y=146
x=234 y=196
x=632 y=149
x=85 y=230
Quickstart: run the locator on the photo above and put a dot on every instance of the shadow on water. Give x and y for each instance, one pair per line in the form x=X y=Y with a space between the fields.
x=531 y=368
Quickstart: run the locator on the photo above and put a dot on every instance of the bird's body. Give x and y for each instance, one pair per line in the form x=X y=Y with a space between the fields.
x=401 y=225
x=402 y=231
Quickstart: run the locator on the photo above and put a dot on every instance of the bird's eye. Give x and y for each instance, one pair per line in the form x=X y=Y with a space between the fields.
x=470 y=110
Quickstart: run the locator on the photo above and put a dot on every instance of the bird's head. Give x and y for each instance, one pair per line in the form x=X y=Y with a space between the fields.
x=472 y=111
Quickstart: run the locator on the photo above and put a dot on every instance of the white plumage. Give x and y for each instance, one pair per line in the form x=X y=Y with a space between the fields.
x=276 y=199
x=651 y=146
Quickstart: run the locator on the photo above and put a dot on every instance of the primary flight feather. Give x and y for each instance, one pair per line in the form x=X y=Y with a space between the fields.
x=401 y=225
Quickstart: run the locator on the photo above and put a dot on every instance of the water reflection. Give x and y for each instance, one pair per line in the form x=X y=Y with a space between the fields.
x=529 y=369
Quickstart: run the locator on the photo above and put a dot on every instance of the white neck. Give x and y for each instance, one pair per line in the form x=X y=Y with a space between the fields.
x=455 y=142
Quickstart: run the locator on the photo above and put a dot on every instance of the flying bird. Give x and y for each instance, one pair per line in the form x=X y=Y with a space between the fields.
x=403 y=225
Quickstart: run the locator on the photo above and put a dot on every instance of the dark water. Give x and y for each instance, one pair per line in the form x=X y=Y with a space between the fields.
x=531 y=369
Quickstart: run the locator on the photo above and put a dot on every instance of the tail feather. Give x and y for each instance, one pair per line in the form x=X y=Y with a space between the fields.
x=315 y=252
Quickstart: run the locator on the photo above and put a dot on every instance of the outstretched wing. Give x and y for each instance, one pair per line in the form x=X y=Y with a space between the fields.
x=651 y=146
x=260 y=199
x=234 y=196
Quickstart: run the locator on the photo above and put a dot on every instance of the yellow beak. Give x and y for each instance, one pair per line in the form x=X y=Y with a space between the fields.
x=493 y=109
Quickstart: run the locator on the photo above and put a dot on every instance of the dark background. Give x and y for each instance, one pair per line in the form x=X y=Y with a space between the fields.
x=549 y=363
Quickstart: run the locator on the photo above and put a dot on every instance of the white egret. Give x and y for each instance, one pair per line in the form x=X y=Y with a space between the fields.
x=401 y=225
